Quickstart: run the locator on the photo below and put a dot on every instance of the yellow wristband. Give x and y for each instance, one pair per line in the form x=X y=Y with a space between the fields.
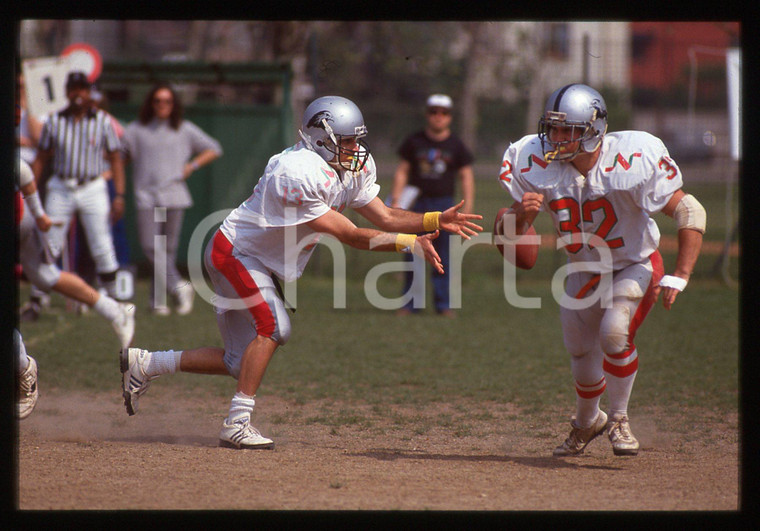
x=431 y=221
x=405 y=243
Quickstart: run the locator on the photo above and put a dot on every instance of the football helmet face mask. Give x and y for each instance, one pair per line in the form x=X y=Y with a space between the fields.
x=579 y=108
x=333 y=127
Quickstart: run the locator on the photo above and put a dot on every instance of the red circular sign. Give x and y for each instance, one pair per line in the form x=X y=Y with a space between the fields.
x=85 y=58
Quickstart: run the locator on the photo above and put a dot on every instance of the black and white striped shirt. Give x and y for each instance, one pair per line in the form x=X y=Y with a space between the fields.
x=78 y=146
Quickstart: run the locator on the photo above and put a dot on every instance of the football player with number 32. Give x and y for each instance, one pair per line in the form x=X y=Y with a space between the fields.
x=271 y=236
x=601 y=190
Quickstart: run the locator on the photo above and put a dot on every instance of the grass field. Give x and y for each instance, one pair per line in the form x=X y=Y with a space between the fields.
x=689 y=356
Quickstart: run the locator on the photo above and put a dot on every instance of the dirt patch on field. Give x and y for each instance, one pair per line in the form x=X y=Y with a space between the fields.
x=81 y=451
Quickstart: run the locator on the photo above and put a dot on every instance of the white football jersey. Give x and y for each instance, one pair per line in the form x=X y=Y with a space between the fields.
x=633 y=178
x=297 y=186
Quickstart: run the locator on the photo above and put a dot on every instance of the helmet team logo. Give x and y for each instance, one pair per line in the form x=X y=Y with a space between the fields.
x=332 y=127
x=319 y=119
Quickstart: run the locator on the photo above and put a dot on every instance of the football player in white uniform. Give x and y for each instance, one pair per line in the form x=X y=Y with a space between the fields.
x=271 y=235
x=601 y=190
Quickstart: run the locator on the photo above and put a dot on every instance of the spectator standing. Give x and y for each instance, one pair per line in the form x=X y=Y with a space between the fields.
x=165 y=150
x=74 y=140
x=85 y=266
x=431 y=161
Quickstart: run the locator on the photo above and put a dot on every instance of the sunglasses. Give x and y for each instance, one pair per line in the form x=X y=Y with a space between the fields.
x=163 y=100
x=444 y=112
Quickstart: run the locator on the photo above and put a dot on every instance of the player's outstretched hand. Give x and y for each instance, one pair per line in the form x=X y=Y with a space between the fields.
x=456 y=222
x=424 y=247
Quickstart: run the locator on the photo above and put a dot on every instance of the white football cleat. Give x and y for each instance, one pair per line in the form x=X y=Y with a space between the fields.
x=27 y=392
x=579 y=437
x=184 y=294
x=621 y=437
x=241 y=435
x=134 y=379
x=124 y=324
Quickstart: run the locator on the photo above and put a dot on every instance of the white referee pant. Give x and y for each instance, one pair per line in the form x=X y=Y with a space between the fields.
x=90 y=200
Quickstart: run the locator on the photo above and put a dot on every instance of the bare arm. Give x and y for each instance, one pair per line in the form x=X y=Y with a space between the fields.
x=400 y=178
x=391 y=219
x=689 y=245
x=345 y=231
x=119 y=182
x=467 y=178
x=204 y=157
x=40 y=162
x=398 y=220
x=35 y=131
x=41 y=218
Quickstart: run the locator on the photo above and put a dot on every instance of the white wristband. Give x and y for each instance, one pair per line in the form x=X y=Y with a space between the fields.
x=669 y=281
x=35 y=205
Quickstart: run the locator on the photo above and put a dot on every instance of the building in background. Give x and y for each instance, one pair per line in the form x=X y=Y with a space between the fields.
x=664 y=77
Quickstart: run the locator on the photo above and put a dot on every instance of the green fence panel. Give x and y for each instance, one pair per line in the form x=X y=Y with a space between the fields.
x=249 y=134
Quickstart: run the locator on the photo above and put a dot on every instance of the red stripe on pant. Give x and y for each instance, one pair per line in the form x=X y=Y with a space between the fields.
x=234 y=271
x=646 y=304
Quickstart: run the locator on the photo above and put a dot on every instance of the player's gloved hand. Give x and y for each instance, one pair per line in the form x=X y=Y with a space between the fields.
x=456 y=222
x=424 y=248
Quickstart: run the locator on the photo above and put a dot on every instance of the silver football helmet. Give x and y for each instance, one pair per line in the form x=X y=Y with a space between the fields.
x=328 y=120
x=579 y=107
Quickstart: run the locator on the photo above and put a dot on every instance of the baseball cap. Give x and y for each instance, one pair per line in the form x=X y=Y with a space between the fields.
x=439 y=100
x=78 y=79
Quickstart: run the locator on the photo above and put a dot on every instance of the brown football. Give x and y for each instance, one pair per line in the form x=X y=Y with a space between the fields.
x=525 y=254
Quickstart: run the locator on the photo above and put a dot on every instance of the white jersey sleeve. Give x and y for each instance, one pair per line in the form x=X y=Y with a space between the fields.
x=665 y=176
x=510 y=177
x=367 y=188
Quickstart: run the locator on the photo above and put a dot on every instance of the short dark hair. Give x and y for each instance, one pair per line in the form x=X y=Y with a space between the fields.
x=77 y=79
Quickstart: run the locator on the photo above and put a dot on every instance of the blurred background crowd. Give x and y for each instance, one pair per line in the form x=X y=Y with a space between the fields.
x=246 y=83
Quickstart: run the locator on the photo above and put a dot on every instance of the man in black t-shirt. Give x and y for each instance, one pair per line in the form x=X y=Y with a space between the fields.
x=431 y=161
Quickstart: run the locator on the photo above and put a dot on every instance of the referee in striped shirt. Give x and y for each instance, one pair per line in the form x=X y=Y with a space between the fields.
x=74 y=140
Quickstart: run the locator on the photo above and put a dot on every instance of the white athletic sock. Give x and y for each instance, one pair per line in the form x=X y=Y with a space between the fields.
x=587 y=399
x=163 y=362
x=241 y=407
x=23 y=359
x=589 y=386
x=620 y=373
x=107 y=307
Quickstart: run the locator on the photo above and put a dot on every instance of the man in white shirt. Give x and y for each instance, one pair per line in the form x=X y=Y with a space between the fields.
x=271 y=235
x=601 y=191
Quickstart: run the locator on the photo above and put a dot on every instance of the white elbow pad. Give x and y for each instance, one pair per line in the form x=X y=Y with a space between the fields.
x=25 y=175
x=690 y=214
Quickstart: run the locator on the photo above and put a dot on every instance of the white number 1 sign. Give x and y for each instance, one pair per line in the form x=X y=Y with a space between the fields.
x=45 y=80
